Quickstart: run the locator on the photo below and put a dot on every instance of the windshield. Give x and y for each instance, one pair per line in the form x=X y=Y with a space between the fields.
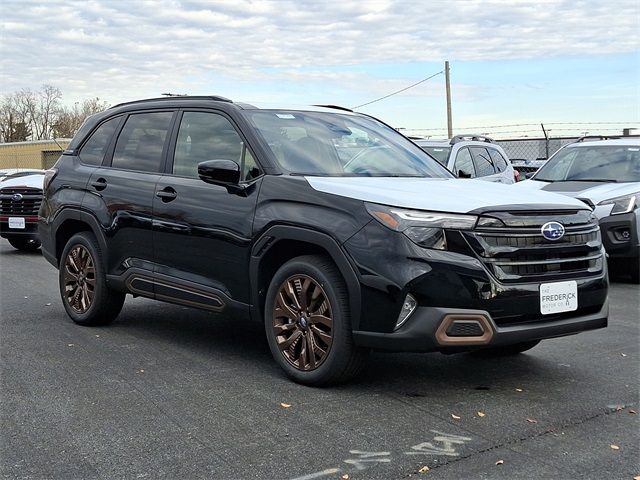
x=610 y=163
x=439 y=153
x=334 y=144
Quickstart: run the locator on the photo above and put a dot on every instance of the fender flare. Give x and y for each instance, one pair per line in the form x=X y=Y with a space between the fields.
x=79 y=215
x=284 y=232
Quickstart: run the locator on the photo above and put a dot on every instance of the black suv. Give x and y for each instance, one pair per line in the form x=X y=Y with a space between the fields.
x=331 y=228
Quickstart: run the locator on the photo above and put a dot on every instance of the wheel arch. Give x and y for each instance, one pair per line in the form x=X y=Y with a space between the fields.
x=72 y=221
x=280 y=244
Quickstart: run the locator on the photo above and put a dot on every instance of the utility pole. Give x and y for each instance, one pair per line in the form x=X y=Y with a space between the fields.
x=448 y=86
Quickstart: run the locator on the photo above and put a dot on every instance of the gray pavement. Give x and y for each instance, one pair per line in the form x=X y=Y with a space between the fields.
x=171 y=392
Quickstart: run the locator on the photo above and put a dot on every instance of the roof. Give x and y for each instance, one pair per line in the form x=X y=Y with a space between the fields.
x=628 y=141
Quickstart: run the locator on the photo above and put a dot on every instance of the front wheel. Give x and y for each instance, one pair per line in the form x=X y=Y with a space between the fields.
x=506 y=350
x=308 y=323
x=25 y=244
x=83 y=284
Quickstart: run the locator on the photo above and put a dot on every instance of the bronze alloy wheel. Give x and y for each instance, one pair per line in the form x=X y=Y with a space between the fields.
x=79 y=279
x=303 y=322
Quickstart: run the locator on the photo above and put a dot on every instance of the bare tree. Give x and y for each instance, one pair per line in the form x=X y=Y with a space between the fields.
x=69 y=119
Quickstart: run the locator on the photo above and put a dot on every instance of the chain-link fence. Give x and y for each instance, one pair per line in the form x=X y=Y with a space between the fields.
x=40 y=154
x=533 y=148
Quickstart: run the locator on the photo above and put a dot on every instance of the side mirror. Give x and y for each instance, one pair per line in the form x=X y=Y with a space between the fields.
x=225 y=173
x=463 y=174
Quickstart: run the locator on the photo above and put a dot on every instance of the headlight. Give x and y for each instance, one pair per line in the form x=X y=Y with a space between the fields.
x=624 y=204
x=423 y=228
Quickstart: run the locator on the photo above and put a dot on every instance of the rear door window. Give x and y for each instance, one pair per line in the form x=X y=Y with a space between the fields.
x=498 y=160
x=482 y=160
x=94 y=149
x=141 y=142
x=464 y=164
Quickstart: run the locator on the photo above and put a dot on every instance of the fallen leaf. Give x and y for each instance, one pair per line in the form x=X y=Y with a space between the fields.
x=70 y=344
x=499 y=462
x=140 y=371
x=518 y=389
x=636 y=477
x=97 y=336
x=481 y=414
x=455 y=417
x=618 y=408
x=285 y=405
x=48 y=305
x=424 y=469
x=345 y=477
x=532 y=420
x=614 y=447
x=623 y=354
x=632 y=412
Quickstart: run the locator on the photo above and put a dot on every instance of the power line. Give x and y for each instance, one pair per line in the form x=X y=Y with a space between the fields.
x=400 y=91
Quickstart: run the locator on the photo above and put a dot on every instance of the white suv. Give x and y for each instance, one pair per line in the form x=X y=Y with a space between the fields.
x=472 y=156
x=604 y=174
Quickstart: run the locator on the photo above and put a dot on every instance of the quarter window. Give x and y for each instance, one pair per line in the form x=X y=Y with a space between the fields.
x=209 y=136
x=94 y=149
x=484 y=165
x=498 y=160
x=141 y=141
x=464 y=165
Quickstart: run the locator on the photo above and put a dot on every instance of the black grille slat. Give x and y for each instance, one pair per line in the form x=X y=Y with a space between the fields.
x=519 y=253
x=28 y=205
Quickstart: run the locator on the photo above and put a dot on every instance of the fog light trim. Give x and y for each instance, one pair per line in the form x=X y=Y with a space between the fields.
x=408 y=307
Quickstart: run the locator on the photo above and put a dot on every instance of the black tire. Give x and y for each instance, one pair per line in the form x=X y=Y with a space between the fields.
x=105 y=303
x=342 y=360
x=506 y=350
x=25 y=244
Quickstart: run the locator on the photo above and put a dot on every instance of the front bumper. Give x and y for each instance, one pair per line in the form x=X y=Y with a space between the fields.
x=30 y=228
x=450 y=283
x=421 y=332
x=620 y=235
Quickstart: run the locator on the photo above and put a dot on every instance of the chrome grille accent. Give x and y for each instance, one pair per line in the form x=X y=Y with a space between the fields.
x=521 y=254
x=28 y=205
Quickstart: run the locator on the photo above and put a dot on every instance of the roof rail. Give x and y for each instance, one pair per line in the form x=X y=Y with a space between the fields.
x=597 y=137
x=337 y=107
x=470 y=137
x=174 y=98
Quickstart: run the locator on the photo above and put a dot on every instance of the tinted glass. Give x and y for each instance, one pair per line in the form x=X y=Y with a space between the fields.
x=335 y=144
x=141 y=141
x=599 y=163
x=94 y=149
x=484 y=165
x=464 y=164
x=498 y=160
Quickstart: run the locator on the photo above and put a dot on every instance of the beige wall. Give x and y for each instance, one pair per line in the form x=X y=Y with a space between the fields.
x=36 y=154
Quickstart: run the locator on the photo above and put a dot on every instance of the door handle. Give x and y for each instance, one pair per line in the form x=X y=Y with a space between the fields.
x=167 y=194
x=99 y=184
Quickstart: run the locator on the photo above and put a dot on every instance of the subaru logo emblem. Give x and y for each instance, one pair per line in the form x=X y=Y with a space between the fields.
x=16 y=197
x=552 y=231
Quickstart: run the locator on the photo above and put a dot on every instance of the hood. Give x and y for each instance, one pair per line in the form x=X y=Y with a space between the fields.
x=596 y=192
x=438 y=194
x=29 y=181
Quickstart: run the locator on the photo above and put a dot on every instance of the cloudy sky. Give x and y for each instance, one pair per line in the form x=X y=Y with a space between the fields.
x=574 y=65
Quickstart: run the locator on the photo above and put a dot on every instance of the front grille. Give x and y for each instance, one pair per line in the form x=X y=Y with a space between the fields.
x=20 y=201
x=517 y=251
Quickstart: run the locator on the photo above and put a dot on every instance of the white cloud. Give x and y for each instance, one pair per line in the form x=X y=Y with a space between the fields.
x=118 y=49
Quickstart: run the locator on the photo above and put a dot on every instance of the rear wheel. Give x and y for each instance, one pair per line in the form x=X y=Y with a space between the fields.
x=507 y=349
x=25 y=244
x=83 y=286
x=308 y=324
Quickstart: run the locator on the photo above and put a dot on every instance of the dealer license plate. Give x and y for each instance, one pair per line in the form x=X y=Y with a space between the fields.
x=16 y=222
x=558 y=297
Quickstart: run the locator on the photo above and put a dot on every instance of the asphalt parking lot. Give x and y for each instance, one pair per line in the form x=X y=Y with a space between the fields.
x=171 y=392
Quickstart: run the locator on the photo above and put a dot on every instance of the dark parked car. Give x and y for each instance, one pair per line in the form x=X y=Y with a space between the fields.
x=328 y=226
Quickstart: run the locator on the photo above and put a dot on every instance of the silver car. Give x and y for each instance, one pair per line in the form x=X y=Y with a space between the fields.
x=471 y=156
x=604 y=174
